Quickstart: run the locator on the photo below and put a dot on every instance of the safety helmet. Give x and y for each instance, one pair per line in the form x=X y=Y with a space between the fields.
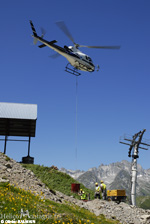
x=96 y=183
x=81 y=190
x=102 y=181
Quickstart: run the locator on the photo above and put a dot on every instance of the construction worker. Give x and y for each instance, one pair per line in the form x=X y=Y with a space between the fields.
x=103 y=190
x=80 y=192
x=82 y=195
x=97 y=191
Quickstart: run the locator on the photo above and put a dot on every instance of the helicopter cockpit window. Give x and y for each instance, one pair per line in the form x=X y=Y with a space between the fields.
x=88 y=58
x=68 y=49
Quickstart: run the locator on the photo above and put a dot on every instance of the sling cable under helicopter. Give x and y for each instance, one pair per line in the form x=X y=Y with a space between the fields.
x=76 y=126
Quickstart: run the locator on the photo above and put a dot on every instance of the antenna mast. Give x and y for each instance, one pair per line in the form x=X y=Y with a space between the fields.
x=134 y=146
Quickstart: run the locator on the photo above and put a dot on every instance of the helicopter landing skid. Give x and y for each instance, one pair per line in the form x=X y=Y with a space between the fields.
x=72 y=71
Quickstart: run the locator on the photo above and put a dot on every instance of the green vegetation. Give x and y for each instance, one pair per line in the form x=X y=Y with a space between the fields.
x=13 y=199
x=57 y=180
x=7 y=158
x=143 y=202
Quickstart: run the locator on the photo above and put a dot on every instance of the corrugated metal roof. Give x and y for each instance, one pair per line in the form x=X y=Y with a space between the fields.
x=18 y=111
x=18 y=119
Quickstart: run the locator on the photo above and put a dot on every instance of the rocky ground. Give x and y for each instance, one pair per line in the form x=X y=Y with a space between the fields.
x=13 y=172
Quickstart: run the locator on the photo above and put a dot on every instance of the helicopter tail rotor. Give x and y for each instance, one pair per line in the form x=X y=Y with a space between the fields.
x=43 y=32
x=42 y=35
x=35 y=40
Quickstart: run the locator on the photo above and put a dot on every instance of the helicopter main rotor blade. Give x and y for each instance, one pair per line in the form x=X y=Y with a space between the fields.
x=101 y=47
x=64 y=28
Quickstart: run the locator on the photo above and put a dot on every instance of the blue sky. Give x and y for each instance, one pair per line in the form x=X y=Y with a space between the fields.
x=111 y=102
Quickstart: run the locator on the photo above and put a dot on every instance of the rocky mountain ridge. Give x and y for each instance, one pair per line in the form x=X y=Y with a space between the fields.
x=115 y=175
x=15 y=174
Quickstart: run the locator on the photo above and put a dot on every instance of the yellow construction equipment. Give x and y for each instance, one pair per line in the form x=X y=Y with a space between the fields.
x=116 y=195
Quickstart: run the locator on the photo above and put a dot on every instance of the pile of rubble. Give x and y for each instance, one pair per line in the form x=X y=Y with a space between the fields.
x=15 y=174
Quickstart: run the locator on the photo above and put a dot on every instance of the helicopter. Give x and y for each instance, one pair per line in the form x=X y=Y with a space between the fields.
x=77 y=59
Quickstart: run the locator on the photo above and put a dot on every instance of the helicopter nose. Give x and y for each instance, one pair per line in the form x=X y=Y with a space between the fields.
x=93 y=68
